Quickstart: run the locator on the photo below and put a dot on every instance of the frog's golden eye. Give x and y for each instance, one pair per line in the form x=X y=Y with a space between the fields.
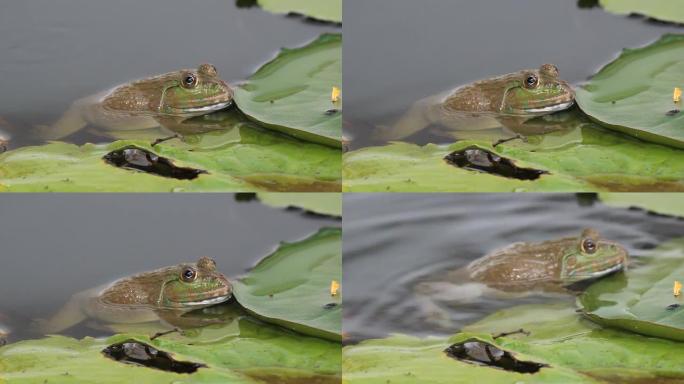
x=588 y=246
x=531 y=81
x=189 y=80
x=188 y=275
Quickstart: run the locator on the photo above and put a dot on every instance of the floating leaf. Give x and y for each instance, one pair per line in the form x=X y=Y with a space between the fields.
x=291 y=93
x=665 y=10
x=641 y=300
x=248 y=352
x=321 y=203
x=633 y=94
x=291 y=287
x=586 y=158
x=243 y=158
x=324 y=10
x=575 y=350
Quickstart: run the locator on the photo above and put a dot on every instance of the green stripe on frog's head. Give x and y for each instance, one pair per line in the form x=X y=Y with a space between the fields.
x=193 y=93
x=591 y=258
x=536 y=92
x=195 y=286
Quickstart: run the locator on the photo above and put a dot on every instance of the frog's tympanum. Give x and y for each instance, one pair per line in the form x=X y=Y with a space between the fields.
x=507 y=101
x=160 y=101
x=521 y=269
x=164 y=294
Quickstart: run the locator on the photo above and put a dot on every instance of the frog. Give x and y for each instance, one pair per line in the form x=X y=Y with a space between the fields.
x=163 y=101
x=165 y=294
x=518 y=102
x=559 y=267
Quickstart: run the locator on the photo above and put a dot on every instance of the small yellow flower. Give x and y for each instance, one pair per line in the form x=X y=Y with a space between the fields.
x=677 y=95
x=335 y=95
x=676 y=290
x=334 y=288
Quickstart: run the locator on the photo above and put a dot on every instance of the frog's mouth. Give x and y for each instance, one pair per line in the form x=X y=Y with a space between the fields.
x=192 y=111
x=552 y=108
x=207 y=298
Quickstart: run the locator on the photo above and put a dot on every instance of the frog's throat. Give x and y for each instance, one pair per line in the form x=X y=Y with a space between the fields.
x=595 y=270
x=543 y=110
x=196 y=111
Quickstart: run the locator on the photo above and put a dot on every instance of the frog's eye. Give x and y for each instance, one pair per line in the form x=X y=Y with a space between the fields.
x=188 y=275
x=531 y=81
x=588 y=246
x=189 y=80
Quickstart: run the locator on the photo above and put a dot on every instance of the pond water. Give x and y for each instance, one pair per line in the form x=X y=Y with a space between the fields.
x=56 y=245
x=416 y=236
x=56 y=52
x=397 y=54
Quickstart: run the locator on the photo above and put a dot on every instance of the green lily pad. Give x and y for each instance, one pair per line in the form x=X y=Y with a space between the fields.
x=664 y=10
x=642 y=301
x=242 y=351
x=324 y=10
x=586 y=158
x=291 y=287
x=634 y=93
x=329 y=204
x=241 y=158
x=662 y=203
x=575 y=350
x=292 y=93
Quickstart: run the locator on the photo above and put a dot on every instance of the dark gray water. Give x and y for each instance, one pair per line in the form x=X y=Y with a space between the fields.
x=56 y=245
x=393 y=241
x=54 y=52
x=399 y=51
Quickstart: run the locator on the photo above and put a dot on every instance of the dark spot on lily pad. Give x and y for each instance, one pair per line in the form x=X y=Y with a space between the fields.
x=132 y=157
x=672 y=112
x=330 y=305
x=331 y=112
x=473 y=351
x=138 y=353
x=672 y=307
x=479 y=159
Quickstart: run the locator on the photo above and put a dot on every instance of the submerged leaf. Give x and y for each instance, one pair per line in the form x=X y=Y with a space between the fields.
x=321 y=203
x=324 y=10
x=665 y=10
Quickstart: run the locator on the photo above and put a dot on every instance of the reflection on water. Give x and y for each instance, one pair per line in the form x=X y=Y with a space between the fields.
x=431 y=46
x=56 y=52
x=56 y=245
x=417 y=236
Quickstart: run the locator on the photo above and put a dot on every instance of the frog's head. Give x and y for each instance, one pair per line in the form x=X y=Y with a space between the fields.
x=194 y=285
x=537 y=92
x=194 y=92
x=591 y=257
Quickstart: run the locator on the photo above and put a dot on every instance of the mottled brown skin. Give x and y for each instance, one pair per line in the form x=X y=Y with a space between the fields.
x=506 y=101
x=165 y=293
x=160 y=101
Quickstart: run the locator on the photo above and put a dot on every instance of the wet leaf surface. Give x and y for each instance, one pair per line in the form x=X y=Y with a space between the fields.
x=238 y=157
x=575 y=350
x=583 y=159
x=660 y=203
x=292 y=93
x=242 y=350
x=634 y=93
x=291 y=287
x=328 y=204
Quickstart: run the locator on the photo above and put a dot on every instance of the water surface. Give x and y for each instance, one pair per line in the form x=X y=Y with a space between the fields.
x=393 y=241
